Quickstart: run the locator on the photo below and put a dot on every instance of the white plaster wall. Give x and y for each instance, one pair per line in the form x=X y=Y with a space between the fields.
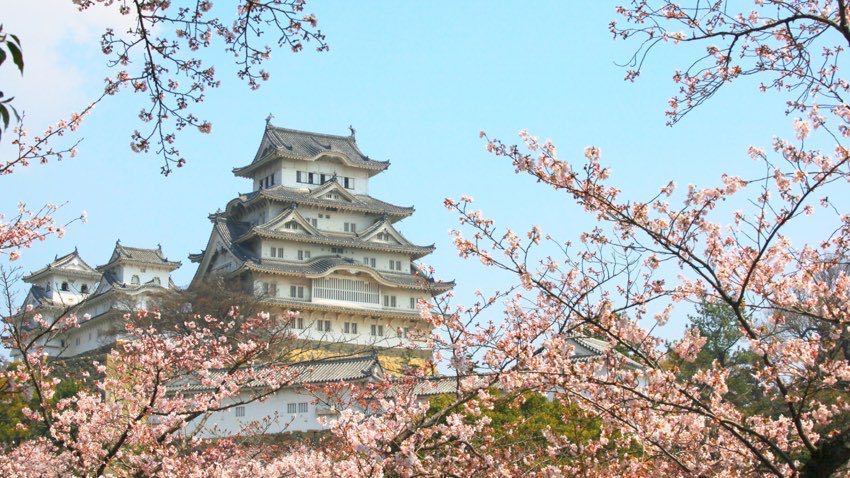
x=403 y=296
x=91 y=335
x=272 y=169
x=146 y=274
x=359 y=314
x=226 y=422
x=324 y=165
x=73 y=295
x=393 y=330
x=337 y=220
x=291 y=248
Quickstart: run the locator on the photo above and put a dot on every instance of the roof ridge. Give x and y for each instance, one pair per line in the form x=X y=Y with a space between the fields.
x=353 y=358
x=62 y=258
x=313 y=133
x=140 y=248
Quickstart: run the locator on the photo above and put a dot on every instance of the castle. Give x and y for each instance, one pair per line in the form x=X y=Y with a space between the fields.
x=310 y=238
x=307 y=238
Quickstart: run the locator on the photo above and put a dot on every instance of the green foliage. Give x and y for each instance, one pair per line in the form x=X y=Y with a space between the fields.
x=522 y=421
x=718 y=323
x=12 y=402
x=10 y=415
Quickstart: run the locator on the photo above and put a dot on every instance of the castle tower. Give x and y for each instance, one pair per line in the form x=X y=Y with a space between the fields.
x=310 y=238
x=132 y=279
x=66 y=281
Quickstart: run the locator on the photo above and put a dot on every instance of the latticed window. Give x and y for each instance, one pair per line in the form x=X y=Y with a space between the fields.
x=296 y=292
x=351 y=290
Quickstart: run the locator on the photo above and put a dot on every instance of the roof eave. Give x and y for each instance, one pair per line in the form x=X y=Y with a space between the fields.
x=170 y=265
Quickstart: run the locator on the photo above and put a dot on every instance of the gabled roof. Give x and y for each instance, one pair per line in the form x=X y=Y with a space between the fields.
x=302 y=196
x=37 y=297
x=109 y=282
x=302 y=305
x=272 y=230
x=588 y=348
x=223 y=233
x=288 y=215
x=324 y=265
x=308 y=146
x=230 y=235
x=332 y=186
x=329 y=370
x=69 y=264
x=383 y=225
x=138 y=256
x=415 y=251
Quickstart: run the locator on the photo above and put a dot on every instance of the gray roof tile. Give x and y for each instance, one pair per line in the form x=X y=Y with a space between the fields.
x=330 y=370
x=308 y=145
x=362 y=203
x=62 y=264
x=321 y=265
x=138 y=255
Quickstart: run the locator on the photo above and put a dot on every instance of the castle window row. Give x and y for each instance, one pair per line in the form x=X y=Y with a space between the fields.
x=351 y=290
x=305 y=177
x=336 y=288
x=267 y=182
x=293 y=408
x=375 y=330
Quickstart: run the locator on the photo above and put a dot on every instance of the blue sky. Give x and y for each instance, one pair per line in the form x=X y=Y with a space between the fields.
x=417 y=81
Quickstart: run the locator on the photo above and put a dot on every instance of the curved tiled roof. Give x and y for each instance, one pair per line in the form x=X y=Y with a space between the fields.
x=329 y=370
x=138 y=255
x=109 y=282
x=272 y=230
x=302 y=305
x=40 y=296
x=308 y=146
x=321 y=266
x=229 y=230
x=61 y=264
x=342 y=241
x=362 y=202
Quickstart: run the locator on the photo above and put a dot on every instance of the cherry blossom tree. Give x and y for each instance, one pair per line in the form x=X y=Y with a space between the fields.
x=29 y=226
x=644 y=263
x=161 y=56
x=133 y=416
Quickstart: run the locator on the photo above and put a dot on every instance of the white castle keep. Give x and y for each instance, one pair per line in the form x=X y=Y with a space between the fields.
x=307 y=238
